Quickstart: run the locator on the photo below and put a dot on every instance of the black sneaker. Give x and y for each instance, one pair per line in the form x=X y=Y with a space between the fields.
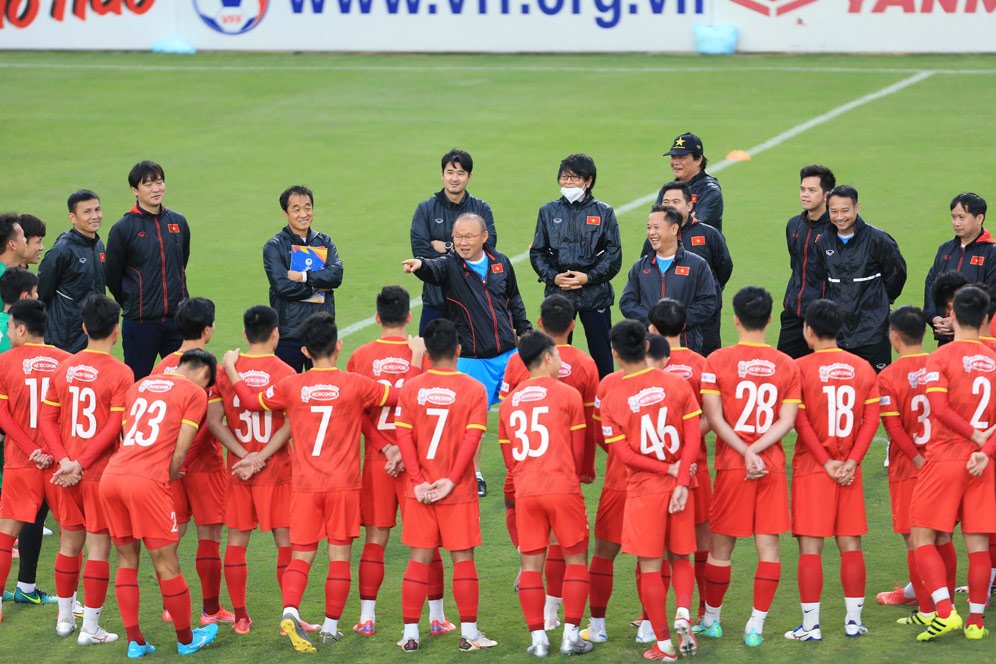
x=482 y=487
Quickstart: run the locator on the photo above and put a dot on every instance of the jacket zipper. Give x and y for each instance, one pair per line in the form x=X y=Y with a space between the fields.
x=162 y=265
x=805 y=260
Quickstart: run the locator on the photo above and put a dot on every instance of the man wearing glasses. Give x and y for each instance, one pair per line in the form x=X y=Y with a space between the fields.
x=576 y=252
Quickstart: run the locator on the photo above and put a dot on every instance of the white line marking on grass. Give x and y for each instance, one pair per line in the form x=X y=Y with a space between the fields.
x=754 y=151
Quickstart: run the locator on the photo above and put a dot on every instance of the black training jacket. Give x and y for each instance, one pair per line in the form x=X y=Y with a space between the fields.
x=581 y=236
x=707 y=198
x=864 y=277
x=70 y=271
x=489 y=315
x=688 y=280
x=705 y=241
x=288 y=297
x=433 y=220
x=146 y=263
x=976 y=261
x=801 y=235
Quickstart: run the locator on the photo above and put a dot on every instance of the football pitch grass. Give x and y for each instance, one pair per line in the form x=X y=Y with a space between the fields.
x=366 y=133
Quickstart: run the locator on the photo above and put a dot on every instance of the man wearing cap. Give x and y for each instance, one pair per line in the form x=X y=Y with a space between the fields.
x=688 y=163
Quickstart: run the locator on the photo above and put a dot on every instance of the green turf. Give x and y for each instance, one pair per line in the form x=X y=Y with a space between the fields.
x=366 y=132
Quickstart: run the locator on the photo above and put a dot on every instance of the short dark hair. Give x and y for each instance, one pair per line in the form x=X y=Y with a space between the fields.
x=671 y=215
x=945 y=286
x=970 y=306
x=973 y=203
x=100 y=315
x=7 y=221
x=557 y=313
x=668 y=317
x=824 y=318
x=657 y=347
x=198 y=358
x=844 y=191
x=581 y=165
x=909 y=323
x=78 y=197
x=441 y=339
x=31 y=225
x=193 y=316
x=144 y=171
x=298 y=189
x=677 y=185
x=629 y=340
x=31 y=314
x=259 y=322
x=14 y=282
x=752 y=305
x=988 y=291
x=827 y=179
x=393 y=305
x=461 y=158
x=533 y=346
x=319 y=334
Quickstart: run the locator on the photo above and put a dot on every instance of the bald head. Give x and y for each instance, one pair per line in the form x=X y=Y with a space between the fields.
x=470 y=232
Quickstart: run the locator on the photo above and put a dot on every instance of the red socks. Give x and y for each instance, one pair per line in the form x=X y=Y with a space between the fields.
x=765 y=584
x=923 y=597
x=700 y=564
x=810 y=576
x=466 y=590
x=978 y=585
x=717 y=582
x=600 y=572
x=67 y=575
x=577 y=584
x=126 y=592
x=933 y=572
x=337 y=588
x=436 y=577
x=513 y=529
x=236 y=574
x=655 y=604
x=283 y=560
x=176 y=599
x=6 y=555
x=371 y=570
x=665 y=574
x=414 y=588
x=295 y=581
x=554 y=571
x=852 y=573
x=96 y=576
x=209 y=573
x=950 y=557
x=532 y=597
x=683 y=578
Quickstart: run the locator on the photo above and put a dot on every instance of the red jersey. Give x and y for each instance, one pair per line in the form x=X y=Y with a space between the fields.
x=325 y=407
x=687 y=364
x=965 y=371
x=205 y=454
x=903 y=393
x=647 y=411
x=386 y=360
x=156 y=408
x=439 y=406
x=87 y=388
x=251 y=428
x=836 y=387
x=615 y=470
x=753 y=381
x=989 y=342
x=537 y=419
x=25 y=374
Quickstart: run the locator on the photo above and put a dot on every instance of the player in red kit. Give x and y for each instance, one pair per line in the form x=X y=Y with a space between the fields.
x=392 y=359
x=957 y=481
x=258 y=494
x=25 y=373
x=325 y=407
x=541 y=427
x=750 y=394
x=81 y=423
x=651 y=421
x=200 y=490
x=668 y=317
x=162 y=415
x=441 y=417
x=836 y=422
x=578 y=370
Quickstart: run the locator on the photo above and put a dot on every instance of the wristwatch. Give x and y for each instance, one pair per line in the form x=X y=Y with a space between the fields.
x=448 y=246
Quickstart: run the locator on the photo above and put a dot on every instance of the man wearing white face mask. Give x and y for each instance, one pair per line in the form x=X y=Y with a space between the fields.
x=576 y=252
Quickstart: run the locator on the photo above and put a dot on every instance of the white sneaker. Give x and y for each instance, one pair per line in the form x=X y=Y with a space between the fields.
x=687 y=644
x=85 y=638
x=645 y=636
x=46 y=532
x=65 y=628
x=578 y=646
x=539 y=649
x=588 y=634
x=78 y=609
x=854 y=629
x=802 y=634
x=551 y=623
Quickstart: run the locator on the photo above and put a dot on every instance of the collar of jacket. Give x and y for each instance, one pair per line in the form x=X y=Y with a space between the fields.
x=824 y=218
x=859 y=226
x=701 y=175
x=984 y=238
x=679 y=255
x=444 y=199
x=463 y=261
x=139 y=210
x=296 y=239
x=587 y=198
x=76 y=236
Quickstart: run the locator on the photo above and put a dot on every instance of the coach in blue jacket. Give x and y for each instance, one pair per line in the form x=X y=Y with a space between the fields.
x=576 y=253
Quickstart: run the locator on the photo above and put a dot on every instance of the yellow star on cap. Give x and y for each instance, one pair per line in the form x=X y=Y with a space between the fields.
x=679 y=143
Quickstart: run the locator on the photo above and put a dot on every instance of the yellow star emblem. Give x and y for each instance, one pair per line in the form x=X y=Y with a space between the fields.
x=679 y=143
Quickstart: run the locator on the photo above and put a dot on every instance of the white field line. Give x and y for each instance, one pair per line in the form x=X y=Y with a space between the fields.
x=722 y=165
